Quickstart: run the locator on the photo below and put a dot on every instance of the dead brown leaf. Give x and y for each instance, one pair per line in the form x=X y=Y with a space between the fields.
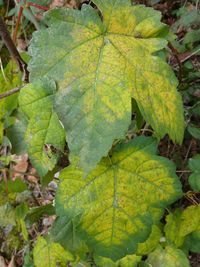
x=21 y=165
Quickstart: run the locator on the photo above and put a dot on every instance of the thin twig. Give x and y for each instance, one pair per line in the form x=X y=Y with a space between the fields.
x=10 y=92
x=17 y=24
x=190 y=55
x=38 y=6
x=13 y=50
x=184 y=171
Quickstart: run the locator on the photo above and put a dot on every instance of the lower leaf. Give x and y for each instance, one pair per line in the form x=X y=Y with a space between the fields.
x=113 y=207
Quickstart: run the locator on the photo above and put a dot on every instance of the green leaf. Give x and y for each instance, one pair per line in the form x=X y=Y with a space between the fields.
x=37 y=213
x=192 y=37
x=104 y=262
x=99 y=66
x=16 y=134
x=194 y=178
x=16 y=186
x=37 y=96
x=7 y=215
x=21 y=211
x=44 y=128
x=194 y=131
x=128 y=261
x=180 y=224
x=192 y=242
x=9 y=78
x=49 y=254
x=168 y=257
x=123 y=192
x=151 y=243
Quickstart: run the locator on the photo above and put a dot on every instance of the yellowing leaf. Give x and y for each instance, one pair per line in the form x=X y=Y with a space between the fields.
x=49 y=254
x=44 y=128
x=99 y=65
x=128 y=261
x=168 y=257
x=9 y=79
x=151 y=243
x=181 y=224
x=113 y=207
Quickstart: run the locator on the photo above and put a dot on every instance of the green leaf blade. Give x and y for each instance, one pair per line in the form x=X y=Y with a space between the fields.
x=44 y=129
x=170 y=256
x=49 y=254
x=130 y=189
x=99 y=65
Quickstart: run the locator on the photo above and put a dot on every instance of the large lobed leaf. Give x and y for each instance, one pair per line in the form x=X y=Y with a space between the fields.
x=114 y=208
x=99 y=65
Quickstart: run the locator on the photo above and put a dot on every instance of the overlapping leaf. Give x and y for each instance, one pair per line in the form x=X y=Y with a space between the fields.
x=194 y=179
x=181 y=224
x=170 y=256
x=9 y=78
x=49 y=254
x=99 y=65
x=44 y=127
x=113 y=207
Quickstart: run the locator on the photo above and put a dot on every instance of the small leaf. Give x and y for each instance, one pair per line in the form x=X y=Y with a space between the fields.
x=49 y=254
x=10 y=77
x=180 y=224
x=192 y=242
x=194 y=131
x=99 y=65
x=7 y=215
x=123 y=192
x=44 y=128
x=194 y=178
x=16 y=135
x=37 y=213
x=169 y=257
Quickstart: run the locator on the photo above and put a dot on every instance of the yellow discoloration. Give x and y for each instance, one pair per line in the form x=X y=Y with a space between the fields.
x=132 y=185
x=99 y=65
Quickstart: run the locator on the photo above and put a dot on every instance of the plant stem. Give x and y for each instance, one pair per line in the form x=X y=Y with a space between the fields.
x=38 y=6
x=13 y=50
x=10 y=92
x=17 y=24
